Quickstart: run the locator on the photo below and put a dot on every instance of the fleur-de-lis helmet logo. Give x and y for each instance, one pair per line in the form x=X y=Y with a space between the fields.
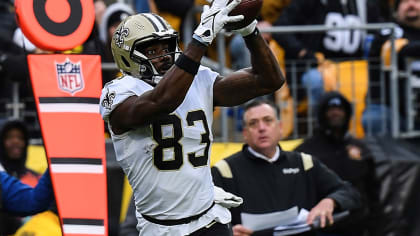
x=120 y=34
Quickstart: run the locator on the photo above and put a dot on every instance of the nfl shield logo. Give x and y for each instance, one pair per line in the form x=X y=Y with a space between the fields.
x=69 y=76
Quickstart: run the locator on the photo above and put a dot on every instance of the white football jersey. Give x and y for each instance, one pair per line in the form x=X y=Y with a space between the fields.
x=167 y=162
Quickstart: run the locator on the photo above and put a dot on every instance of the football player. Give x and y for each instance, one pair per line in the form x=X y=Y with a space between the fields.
x=160 y=114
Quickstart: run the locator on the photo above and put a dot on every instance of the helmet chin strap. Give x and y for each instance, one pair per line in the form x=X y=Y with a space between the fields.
x=157 y=79
x=149 y=73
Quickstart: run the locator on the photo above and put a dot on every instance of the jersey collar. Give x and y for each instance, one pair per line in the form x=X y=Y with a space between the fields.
x=261 y=156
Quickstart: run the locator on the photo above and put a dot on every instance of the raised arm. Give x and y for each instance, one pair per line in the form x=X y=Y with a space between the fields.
x=264 y=77
x=163 y=99
x=170 y=92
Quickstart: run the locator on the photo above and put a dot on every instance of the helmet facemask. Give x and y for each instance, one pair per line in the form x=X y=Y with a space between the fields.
x=147 y=70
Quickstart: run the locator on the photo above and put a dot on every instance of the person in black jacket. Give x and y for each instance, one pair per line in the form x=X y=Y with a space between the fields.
x=334 y=45
x=270 y=179
x=14 y=138
x=407 y=16
x=348 y=157
x=13 y=63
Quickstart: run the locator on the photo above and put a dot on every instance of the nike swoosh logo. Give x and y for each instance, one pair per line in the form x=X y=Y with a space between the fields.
x=205 y=21
x=208 y=18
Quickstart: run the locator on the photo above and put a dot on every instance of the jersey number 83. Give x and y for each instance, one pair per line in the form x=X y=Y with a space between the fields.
x=173 y=142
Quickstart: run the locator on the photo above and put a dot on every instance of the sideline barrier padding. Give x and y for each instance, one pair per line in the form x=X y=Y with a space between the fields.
x=36 y=158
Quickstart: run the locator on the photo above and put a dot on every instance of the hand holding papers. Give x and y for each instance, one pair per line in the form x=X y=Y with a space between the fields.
x=299 y=225
x=288 y=222
x=258 y=222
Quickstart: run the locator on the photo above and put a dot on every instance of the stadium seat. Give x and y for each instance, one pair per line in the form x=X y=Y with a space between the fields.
x=271 y=9
x=386 y=49
x=45 y=223
x=351 y=79
x=283 y=99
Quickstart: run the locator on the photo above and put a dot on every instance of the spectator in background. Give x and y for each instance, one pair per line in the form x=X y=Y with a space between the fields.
x=13 y=65
x=13 y=150
x=345 y=155
x=22 y=200
x=14 y=48
x=113 y=16
x=386 y=7
x=407 y=16
x=142 y=6
x=178 y=8
x=332 y=45
x=93 y=44
x=270 y=179
x=270 y=11
x=100 y=8
x=173 y=11
x=14 y=146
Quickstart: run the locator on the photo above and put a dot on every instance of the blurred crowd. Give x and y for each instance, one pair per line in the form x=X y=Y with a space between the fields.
x=313 y=62
x=316 y=91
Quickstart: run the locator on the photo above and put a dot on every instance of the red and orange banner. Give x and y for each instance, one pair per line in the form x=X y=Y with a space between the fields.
x=67 y=90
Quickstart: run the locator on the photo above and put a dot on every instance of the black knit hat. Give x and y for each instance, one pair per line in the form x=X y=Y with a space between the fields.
x=114 y=13
x=14 y=166
x=117 y=17
x=333 y=99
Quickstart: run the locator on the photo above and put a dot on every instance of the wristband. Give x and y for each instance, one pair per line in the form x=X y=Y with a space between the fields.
x=199 y=40
x=187 y=64
x=253 y=34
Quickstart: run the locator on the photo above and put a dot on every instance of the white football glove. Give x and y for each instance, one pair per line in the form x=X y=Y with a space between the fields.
x=226 y=199
x=247 y=30
x=214 y=18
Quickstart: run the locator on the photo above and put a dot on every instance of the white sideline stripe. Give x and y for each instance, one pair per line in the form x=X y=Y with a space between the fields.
x=77 y=168
x=83 y=229
x=69 y=107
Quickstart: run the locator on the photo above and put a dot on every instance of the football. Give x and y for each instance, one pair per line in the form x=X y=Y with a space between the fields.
x=249 y=9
